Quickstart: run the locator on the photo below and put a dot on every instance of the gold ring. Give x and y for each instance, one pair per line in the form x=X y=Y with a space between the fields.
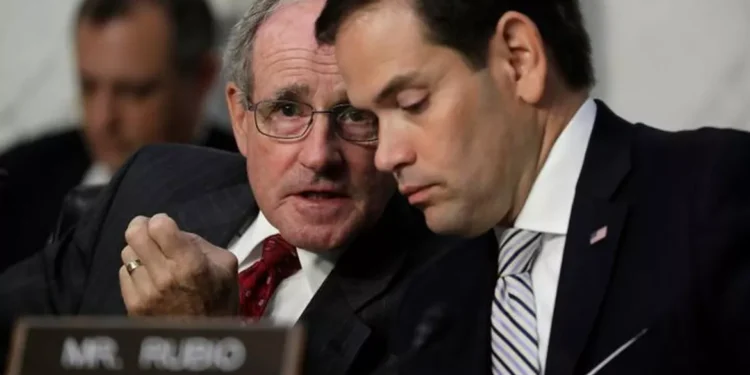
x=132 y=265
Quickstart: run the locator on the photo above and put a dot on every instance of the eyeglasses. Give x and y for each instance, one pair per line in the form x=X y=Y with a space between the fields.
x=286 y=119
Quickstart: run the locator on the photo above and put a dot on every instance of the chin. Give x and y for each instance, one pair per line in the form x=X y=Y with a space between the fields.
x=444 y=221
x=320 y=237
x=440 y=221
x=318 y=229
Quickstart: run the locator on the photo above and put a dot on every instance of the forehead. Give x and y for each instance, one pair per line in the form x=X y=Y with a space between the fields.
x=370 y=56
x=286 y=53
x=136 y=43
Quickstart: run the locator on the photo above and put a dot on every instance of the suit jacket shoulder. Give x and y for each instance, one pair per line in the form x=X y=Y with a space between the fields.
x=676 y=219
x=157 y=169
x=40 y=173
x=205 y=190
x=719 y=238
x=220 y=138
x=46 y=150
x=156 y=179
x=706 y=172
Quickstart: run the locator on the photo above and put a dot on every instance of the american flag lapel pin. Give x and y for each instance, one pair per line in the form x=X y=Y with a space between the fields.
x=598 y=235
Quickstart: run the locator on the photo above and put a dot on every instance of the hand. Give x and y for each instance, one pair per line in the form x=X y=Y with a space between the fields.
x=181 y=274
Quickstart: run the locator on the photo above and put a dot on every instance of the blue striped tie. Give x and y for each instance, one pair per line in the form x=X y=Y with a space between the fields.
x=515 y=344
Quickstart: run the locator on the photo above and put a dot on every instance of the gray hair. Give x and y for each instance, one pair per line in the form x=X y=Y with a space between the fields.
x=238 y=53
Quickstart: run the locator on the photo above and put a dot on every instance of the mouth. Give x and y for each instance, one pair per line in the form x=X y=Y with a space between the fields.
x=319 y=195
x=416 y=195
x=321 y=205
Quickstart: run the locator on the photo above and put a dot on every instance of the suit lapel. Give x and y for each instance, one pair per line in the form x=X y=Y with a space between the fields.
x=592 y=241
x=335 y=334
x=338 y=330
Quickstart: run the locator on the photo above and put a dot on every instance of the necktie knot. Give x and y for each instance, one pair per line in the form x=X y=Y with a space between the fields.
x=518 y=250
x=277 y=251
x=258 y=283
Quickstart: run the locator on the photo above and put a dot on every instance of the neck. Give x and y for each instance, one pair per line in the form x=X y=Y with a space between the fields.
x=552 y=120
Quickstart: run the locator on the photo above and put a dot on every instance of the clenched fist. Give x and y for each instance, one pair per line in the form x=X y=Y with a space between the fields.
x=177 y=273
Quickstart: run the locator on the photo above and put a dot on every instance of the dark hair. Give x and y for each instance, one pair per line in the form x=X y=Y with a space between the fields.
x=468 y=25
x=193 y=26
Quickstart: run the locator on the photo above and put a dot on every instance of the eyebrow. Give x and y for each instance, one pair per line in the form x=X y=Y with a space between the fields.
x=295 y=91
x=299 y=92
x=395 y=85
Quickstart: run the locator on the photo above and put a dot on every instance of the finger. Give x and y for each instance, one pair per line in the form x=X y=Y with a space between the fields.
x=220 y=257
x=129 y=291
x=194 y=240
x=168 y=236
x=139 y=239
x=140 y=276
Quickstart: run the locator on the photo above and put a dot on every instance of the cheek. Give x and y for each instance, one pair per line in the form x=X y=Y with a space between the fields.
x=365 y=180
x=146 y=120
x=269 y=167
x=459 y=144
x=448 y=136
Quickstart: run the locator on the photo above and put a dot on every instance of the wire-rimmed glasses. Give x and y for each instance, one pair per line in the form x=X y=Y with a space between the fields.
x=289 y=120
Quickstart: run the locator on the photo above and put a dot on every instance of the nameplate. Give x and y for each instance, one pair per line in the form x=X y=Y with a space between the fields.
x=97 y=346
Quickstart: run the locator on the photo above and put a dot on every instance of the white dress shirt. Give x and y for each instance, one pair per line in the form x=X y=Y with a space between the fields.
x=547 y=210
x=294 y=293
x=97 y=174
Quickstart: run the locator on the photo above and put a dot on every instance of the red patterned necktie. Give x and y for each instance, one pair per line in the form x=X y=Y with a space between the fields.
x=257 y=283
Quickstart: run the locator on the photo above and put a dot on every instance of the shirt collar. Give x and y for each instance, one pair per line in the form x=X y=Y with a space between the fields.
x=550 y=201
x=248 y=249
x=97 y=174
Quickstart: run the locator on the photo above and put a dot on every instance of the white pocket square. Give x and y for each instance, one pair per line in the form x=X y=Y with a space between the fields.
x=617 y=352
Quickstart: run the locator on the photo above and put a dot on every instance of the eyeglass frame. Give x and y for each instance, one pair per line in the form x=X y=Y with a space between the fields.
x=330 y=111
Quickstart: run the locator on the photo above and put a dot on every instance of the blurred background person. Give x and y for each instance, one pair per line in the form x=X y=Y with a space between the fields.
x=145 y=69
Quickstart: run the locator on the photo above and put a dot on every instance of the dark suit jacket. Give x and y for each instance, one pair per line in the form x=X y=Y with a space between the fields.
x=41 y=173
x=207 y=193
x=3 y=178
x=675 y=262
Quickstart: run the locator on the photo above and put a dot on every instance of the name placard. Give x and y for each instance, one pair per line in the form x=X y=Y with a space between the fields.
x=98 y=346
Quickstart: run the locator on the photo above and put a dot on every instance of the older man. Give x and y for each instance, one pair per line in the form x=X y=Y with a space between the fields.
x=618 y=248
x=317 y=237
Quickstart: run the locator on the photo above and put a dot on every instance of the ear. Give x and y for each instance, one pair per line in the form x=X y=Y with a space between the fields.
x=239 y=115
x=517 y=52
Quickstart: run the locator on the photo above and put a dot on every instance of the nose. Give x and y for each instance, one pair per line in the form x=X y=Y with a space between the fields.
x=394 y=148
x=101 y=112
x=320 y=148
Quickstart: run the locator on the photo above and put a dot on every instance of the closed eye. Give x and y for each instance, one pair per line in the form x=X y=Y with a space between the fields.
x=417 y=107
x=412 y=100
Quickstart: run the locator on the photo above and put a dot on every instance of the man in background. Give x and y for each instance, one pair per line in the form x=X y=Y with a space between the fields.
x=145 y=68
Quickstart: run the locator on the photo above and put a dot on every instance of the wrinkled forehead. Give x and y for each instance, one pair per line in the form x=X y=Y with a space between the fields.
x=286 y=54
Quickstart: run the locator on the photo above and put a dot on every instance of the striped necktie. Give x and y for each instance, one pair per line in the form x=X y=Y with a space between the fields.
x=515 y=343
